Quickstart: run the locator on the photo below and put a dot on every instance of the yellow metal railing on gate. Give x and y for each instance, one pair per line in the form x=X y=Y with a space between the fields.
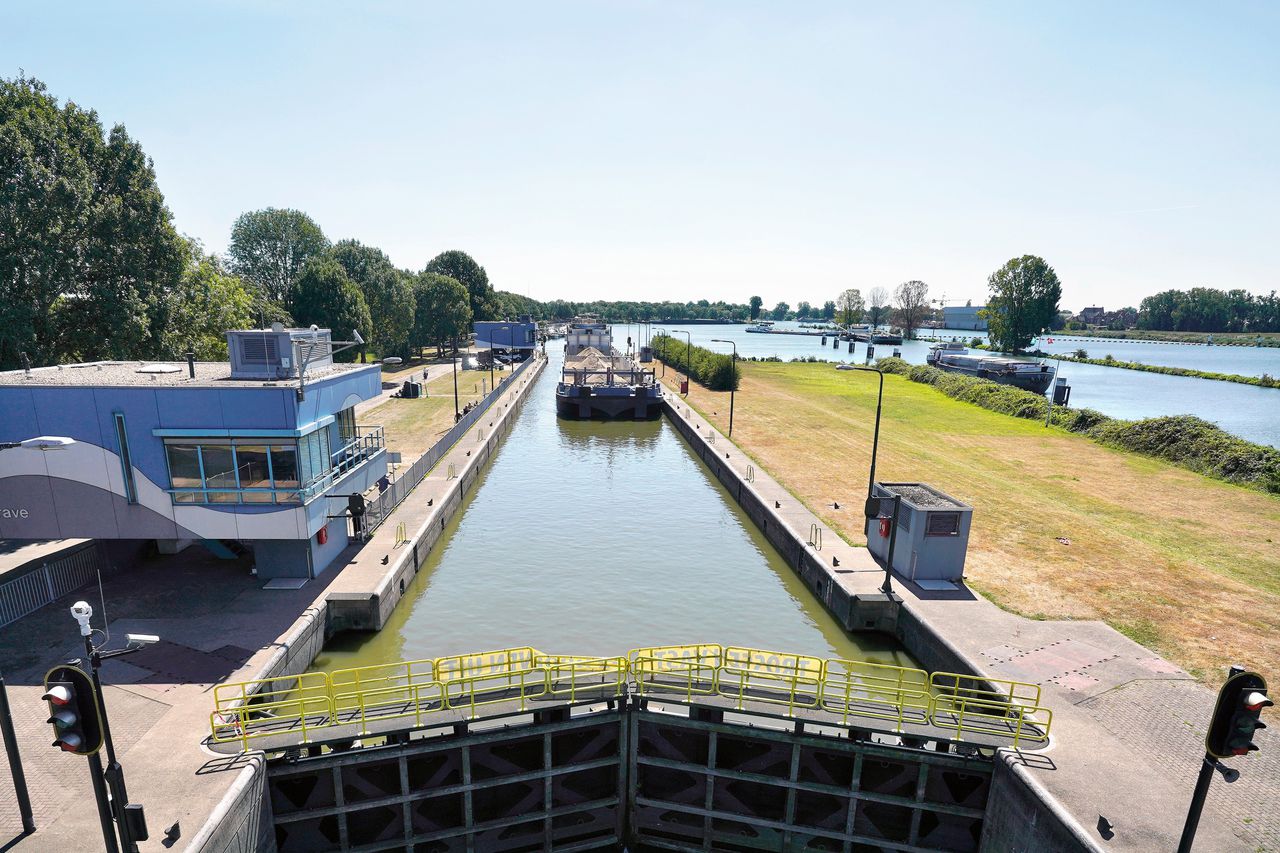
x=294 y=708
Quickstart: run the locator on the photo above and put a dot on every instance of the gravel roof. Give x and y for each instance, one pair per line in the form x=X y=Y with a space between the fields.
x=209 y=374
x=922 y=496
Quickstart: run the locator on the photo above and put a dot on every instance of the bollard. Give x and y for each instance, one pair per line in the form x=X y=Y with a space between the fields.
x=835 y=343
x=897 y=353
x=871 y=352
x=824 y=340
x=851 y=345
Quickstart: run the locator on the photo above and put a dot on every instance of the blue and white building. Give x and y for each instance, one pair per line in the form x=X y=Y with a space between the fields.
x=516 y=338
x=964 y=317
x=263 y=450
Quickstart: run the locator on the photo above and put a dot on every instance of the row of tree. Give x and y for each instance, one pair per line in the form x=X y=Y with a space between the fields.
x=1205 y=309
x=91 y=266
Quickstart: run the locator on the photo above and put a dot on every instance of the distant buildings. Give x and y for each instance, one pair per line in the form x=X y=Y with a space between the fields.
x=964 y=317
x=1091 y=315
x=508 y=337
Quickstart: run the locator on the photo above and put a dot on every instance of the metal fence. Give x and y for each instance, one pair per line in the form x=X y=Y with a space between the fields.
x=49 y=581
x=377 y=510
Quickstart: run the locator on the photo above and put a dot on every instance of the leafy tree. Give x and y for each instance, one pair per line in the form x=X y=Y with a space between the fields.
x=324 y=296
x=780 y=311
x=387 y=291
x=87 y=246
x=205 y=303
x=269 y=248
x=1024 y=300
x=829 y=310
x=755 y=304
x=913 y=305
x=851 y=306
x=877 y=305
x=443 y=312
x=804 y=309
x=462 y=268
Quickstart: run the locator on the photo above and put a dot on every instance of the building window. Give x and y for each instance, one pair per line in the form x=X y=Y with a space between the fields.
x=346 y=426
x=126 y=461
x=233 y=472
x=313 y=452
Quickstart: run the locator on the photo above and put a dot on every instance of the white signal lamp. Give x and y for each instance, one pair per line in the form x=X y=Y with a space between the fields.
x=60 y=695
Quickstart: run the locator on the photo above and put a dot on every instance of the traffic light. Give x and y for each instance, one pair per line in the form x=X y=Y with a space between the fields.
x=1236 y=716
x=73 y=710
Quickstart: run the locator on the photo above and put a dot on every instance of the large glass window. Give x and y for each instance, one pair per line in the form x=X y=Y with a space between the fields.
x=226 y=472
x=284 y=466
x=346 y=426
x=314 y=450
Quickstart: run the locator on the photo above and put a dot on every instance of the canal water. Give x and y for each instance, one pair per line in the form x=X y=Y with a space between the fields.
x=1248 y=411
x=596 y=538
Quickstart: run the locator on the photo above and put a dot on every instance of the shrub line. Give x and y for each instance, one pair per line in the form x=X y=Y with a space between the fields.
x=1184 y=440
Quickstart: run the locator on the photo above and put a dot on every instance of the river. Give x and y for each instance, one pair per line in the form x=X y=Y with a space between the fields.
x=1248 y=411
x=596 y=538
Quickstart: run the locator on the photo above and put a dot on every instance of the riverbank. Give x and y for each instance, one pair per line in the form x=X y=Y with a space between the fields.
x=1226 y=339
x=1063 y=527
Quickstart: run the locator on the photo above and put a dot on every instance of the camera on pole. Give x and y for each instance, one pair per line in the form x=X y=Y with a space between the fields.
x=73 y=710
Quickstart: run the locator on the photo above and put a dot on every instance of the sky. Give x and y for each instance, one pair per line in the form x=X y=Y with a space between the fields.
x=686 y=150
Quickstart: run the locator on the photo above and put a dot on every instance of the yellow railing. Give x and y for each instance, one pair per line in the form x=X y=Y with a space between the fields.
x=413 y=691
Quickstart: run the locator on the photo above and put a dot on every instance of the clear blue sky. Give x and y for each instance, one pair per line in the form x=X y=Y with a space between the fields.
x=676 y=150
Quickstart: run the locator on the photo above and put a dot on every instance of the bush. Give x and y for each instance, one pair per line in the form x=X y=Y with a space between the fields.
x=714 y=370
x=975 y=343
x=889 y=364
x=1081 y=353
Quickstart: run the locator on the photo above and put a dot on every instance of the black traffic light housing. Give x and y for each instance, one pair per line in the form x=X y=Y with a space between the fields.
x=73 y=710
x=1236 y=716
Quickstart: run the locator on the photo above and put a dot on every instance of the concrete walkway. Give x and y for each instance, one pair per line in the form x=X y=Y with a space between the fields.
x=1128 y=726
x=217 y=625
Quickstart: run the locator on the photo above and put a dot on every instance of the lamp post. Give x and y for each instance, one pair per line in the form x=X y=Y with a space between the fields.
x=663 y=331
x=872 y=508
x=457 y=415
x=733 y=376
x=688 y=352
x=20 y=793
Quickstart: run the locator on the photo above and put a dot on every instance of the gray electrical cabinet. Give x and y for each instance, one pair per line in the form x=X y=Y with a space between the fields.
x=933 y=533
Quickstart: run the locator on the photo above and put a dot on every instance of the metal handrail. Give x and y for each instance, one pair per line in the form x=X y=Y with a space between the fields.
x=300 y=705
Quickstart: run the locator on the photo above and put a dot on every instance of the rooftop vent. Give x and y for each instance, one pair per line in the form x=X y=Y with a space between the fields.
x=268 y=354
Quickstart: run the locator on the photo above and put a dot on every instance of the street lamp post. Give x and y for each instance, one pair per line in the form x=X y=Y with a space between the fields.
x=872 y=507
x=663 y=331
x=732 y=379
x=688 y=353
x=457 y=415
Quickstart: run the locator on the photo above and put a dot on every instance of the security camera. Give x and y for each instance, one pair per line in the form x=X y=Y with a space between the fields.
x=314 y=327
x=83 y=613
x=141 y=639
x=355 y=336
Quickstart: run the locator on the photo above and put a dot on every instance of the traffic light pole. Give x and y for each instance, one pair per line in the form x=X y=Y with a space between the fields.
x=104 y=807
x=15 y=762
x=1207 y=767
x=115 y=773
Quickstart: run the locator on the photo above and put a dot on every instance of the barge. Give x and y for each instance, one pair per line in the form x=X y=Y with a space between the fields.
x=1028 y=375
x=597 y=381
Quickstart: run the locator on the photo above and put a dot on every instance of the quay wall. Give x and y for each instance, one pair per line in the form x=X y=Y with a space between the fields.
x=242 y=821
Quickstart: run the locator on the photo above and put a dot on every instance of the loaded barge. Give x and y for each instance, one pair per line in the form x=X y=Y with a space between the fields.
x=955 y=358
x=597 y=381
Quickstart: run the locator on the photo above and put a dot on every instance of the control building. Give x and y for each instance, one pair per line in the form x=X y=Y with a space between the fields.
x=262 y=450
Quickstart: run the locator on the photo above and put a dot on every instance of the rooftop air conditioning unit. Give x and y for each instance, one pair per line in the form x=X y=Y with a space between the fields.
x=270 y=354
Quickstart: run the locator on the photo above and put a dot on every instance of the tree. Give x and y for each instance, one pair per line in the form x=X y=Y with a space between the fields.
x=780 y=311
x=913 y=305
x=1024 y=299
x=877 y=305
x=755 y=303
x=387 y=291
x=324 y=296
x=207 y=301
x=829 y=310
x=269 y=248
x=462 y=268
x=443 y=311
x=804 y=309
x=87 y=245
x=851 y=306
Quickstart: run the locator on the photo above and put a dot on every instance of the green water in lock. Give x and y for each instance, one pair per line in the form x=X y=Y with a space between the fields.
x=594 y=538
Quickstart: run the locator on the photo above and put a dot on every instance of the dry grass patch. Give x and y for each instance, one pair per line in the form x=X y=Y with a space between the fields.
x=1184 y=564
x=413 y=426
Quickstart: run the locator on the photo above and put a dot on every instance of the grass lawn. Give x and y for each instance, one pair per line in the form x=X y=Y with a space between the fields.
x=1185 y=565
x=412 y=426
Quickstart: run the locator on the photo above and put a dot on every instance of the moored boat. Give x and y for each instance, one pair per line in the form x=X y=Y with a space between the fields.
x=955 y=358
x=597 y=381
